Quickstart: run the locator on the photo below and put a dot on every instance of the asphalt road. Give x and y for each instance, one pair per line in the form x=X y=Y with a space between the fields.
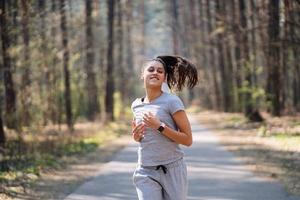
x=213 y=173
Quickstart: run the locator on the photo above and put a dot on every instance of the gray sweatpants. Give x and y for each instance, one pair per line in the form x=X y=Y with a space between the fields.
x=159 y=184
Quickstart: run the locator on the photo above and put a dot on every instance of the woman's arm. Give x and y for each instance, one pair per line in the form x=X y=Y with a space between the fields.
x=183 y=136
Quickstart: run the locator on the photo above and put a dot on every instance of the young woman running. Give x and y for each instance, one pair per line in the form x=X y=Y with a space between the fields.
x=160 y=124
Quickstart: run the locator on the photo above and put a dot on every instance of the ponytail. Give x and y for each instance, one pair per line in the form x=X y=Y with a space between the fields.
x=179 y=71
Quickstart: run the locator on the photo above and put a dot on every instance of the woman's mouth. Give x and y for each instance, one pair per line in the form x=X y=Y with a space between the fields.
x=154 y=77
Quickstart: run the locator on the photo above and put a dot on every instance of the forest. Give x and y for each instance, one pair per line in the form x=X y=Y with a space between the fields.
x=69 y=62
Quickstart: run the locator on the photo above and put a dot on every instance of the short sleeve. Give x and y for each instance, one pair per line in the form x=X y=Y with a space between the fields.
x=134 y=104
x=175 y=105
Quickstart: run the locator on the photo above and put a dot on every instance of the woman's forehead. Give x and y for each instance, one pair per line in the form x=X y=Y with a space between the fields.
x=155 y=64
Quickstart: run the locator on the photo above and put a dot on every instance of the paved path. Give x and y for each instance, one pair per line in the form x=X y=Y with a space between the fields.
x=214 y=174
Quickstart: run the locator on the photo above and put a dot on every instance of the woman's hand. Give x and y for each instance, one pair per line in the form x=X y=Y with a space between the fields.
x=151 y=121
x=138 y=131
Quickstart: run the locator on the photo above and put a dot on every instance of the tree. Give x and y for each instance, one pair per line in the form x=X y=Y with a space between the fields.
x=273 y=69
x=129 y=84
x=10 y=96
x=212 y=57
x=110 y=79
x=294 y=23
x=46 y=73
x=249 y=111
x=2 y=133
x=220 y=14
x=122 y=81
x=92 y=96
x=228 y=45
x=26 y=82
x=55 y=100
x=175 y=26
x=64 y=31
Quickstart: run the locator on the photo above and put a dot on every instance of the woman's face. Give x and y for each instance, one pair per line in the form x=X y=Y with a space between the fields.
x=153 y=74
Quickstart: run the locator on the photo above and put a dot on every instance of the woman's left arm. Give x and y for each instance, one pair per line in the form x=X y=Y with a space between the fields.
x=183 y=136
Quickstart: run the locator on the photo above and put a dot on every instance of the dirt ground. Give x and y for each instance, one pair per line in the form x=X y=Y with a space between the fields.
x=263 y=154
x=57 y=184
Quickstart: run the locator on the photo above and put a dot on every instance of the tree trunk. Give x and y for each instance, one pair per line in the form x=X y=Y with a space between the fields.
x=228 y=55
x=249 y=111
x=237 y=54
x=203 y=54
x=274 y=77
x=110 y=79
x=10 y=96
x=254 y=14
x=294 y=17
x=2 y=133
x=45 y=87
x=92 y=90
x=64 y=31
x=175 y=26
x=26 y=82
x=3 y=31
x=129 y=48
x=123 y=79
x=248 y=107
x=286 y=70
x=212 y=57
x=220 y=47
x=184 y=29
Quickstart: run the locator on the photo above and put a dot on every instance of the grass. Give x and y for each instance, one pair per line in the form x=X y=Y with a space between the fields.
x=286 y=141
x=25 y=159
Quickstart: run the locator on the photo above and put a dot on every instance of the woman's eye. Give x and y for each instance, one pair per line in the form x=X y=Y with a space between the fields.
x=160 y=71
x=150 y=69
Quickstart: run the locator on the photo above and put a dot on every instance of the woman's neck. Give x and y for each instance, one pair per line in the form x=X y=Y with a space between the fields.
x=152 y=94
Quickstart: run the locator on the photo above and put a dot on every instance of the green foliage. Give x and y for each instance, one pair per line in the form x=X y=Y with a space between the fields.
x=288 y=141
x=237 y=119
x=263 y=131
x=83 y=146
x=258 y=96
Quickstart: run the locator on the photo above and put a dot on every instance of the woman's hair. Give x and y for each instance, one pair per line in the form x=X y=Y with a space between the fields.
x=179 y=71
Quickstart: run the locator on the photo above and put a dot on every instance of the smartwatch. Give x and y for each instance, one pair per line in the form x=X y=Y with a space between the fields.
x=161 y=128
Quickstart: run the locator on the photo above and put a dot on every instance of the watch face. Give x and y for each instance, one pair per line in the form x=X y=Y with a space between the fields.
x=161 y=128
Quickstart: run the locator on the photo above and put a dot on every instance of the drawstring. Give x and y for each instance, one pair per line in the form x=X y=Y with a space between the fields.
x=164 y=168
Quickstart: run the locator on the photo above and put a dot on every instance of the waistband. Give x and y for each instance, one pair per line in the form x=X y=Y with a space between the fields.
x=168 y=165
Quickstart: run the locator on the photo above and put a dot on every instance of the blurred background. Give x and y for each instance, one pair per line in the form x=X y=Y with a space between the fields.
x=66 y=60
x=73 y=62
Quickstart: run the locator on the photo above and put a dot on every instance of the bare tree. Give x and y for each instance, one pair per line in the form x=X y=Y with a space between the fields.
x=92 y=95
x=175 y=26
x=26 y=82
x=273 y=69
x=110 y=79
x=122 y=80
x=2 y=133
x=294 y=23
x=212 y=57
x=220 y=14
x=64 y=31
x=10 y=96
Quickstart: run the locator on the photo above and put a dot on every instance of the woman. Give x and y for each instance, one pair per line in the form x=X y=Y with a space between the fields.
x=160 y=124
